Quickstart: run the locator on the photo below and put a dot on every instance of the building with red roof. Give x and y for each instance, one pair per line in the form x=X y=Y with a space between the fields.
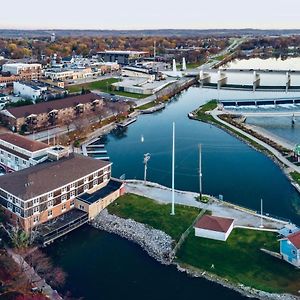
x=213 y=227
x=290 y=248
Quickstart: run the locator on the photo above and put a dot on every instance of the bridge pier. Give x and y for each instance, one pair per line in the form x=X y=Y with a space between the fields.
x=288 y=81
x=222 y=79
x=204 y=78
x=256 y=80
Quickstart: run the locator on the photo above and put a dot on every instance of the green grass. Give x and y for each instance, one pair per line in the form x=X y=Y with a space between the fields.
x=296 y=176
x=148 y=211
x=148 y=105
x=240 y=261
x=104 y=86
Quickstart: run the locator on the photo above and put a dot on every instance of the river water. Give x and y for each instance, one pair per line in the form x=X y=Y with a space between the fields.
x=104 y=266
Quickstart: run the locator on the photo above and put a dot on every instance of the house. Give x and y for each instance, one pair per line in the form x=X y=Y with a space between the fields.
x=47 y=191
x=290 y=248
x=18 y=152
x=50 y=113
x=213 y=227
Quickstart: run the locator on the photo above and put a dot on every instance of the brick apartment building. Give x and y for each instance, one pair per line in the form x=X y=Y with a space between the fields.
x=51 y=113
x=43 y=193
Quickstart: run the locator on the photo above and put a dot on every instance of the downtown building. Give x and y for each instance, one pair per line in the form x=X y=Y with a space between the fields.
x=53 y=192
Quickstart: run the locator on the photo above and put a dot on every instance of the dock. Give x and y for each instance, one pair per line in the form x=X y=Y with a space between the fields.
x=154 y=109
x=126 y=122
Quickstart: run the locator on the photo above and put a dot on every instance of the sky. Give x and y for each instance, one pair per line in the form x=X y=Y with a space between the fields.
x=153 y=14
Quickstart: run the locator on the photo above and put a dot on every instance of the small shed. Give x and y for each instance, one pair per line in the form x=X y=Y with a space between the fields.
x=290 y=248
x=213 y=227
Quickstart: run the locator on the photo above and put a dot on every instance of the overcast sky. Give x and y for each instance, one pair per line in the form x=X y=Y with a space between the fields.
x=153 y=14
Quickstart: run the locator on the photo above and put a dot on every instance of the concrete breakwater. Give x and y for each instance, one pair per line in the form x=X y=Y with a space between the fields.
x=155 y=242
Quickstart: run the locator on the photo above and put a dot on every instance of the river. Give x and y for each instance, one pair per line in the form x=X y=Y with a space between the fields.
x=104 y=266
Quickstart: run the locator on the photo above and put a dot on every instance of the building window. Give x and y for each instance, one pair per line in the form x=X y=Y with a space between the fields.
x=63 y=207
x=36 y=201
x=36 y=210
x=64 y=190
x=72 y=186
x=95 y=175
x=50 y=195
x=72 y=194
x=81 y=207
x=63 y=198
x=24 y=162
x=10 y=206
x=50 y=203
x=95 y=182
x=50 y=213
x=18 y=210
x=86 y=187
x=72 y=203
x=35 y=219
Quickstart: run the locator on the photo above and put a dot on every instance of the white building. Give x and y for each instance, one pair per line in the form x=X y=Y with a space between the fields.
x=212 y=227
x=19 y=68
x=59 y=74
x=18 y=152
x=28 y=90
x=138 y=72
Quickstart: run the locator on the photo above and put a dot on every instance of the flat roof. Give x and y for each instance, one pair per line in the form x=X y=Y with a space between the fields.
x=122 y=52
x=22 y=142
x=111 y=187
x=214 y=223
x=49 y=176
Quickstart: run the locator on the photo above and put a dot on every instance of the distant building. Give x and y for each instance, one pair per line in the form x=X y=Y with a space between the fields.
x=59 y=74
x=29 y=90
x=212 y=227
x=18 y=152
x=121 y=57
x=138 y=72
x=45 y=192
x=50 y=113
x=25 y=71
x=290 y=248
x=53 y=38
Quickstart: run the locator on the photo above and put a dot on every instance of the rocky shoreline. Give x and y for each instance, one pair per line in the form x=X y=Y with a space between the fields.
x=155 y=242
x=159 y=245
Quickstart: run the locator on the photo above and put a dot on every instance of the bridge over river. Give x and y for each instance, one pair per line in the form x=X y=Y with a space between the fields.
x=248 y=79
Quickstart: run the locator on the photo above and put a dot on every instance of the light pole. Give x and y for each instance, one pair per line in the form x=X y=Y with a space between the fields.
x=200 y=171
x=146 y=159
x=261 y=214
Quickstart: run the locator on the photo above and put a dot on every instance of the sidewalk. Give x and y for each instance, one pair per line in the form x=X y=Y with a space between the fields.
x=243 y=217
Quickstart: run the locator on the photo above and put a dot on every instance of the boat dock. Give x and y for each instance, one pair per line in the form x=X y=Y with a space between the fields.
x=153 y=109
x=126 y=122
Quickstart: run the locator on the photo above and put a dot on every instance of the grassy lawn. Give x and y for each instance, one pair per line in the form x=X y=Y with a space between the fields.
x=295 y=176
x=104 y=86
x=148 y=105
x=239 y=260
x=148 y=211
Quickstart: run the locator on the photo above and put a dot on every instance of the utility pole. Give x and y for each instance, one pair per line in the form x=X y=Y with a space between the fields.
x=173 y=172
x=261 y=213
x=200 y=171
x=146 y=159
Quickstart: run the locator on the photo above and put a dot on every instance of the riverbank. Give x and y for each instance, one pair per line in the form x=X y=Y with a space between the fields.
x=242 y=246
x=209 y=113
x=155 y=242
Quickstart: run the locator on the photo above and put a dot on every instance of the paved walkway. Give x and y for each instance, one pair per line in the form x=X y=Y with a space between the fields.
x=34 y=277
x=277 y=154
x=243 y=217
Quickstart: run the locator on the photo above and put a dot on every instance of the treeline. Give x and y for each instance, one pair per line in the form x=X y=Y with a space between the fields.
x=88 y=46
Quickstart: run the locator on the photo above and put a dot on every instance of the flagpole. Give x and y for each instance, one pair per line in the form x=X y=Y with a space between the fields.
x=173 y=172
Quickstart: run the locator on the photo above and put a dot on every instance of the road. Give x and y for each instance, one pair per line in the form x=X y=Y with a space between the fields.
x=261 y=114
x=243 y=217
